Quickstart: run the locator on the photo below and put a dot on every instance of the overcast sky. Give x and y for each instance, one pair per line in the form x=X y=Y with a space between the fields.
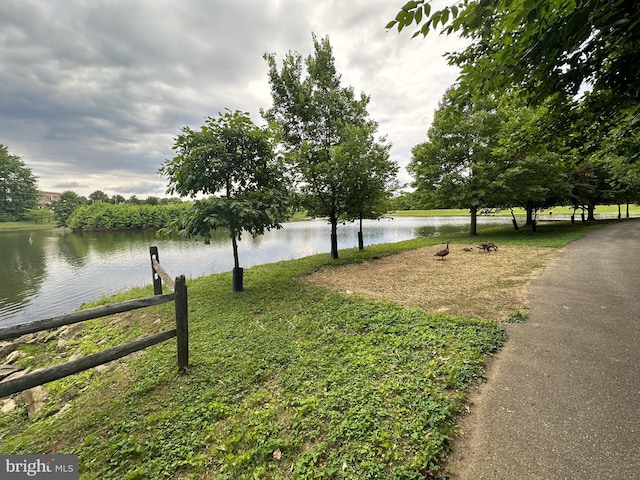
x=93 y=93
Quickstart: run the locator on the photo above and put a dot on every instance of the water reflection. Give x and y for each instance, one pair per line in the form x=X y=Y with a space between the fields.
x=23 y=268
x=58 y=270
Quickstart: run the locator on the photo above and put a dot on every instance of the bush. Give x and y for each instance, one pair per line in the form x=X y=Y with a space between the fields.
x=106 y=216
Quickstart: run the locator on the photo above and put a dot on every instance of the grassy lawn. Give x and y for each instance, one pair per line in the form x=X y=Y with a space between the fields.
x=26 y=225
x=287 y=380
x=634 y=210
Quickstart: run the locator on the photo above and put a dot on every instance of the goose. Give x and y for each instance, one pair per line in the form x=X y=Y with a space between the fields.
x=443 y=253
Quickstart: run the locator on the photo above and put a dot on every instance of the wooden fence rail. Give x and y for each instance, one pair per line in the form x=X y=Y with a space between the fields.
x=181 y=332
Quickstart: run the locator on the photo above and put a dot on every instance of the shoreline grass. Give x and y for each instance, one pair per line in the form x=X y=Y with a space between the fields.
x=287 y=380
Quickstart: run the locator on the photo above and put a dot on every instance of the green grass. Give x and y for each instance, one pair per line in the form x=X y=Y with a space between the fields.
x=287 y=380
x=26 y=225
x=634 y=210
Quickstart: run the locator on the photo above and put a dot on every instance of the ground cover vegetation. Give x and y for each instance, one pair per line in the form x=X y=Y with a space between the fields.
x=545 y=111
x=287 y=379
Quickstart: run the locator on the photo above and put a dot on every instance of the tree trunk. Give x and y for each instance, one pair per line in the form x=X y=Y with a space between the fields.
x=360 y=237
x=590 y=212
x=627 y=210
x=238 y=273
x=234 y=243
x=529 y=210
x=514 y=221
x=619 y=211
x=334 y=237
x=473 y=229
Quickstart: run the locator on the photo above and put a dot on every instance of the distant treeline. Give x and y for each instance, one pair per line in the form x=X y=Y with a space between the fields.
x=107 y=216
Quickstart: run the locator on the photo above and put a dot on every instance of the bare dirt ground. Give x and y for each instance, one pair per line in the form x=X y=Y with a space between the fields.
x=478 y=284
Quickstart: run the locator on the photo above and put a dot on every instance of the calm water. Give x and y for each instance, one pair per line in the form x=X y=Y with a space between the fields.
x=50 y=272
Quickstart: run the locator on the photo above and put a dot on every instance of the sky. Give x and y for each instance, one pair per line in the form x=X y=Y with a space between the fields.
x=94 y=92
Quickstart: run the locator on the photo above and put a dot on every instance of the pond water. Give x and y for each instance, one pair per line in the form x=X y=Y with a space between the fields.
x=50 y=272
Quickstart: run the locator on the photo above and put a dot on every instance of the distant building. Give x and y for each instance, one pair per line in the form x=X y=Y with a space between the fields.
x=46 y=198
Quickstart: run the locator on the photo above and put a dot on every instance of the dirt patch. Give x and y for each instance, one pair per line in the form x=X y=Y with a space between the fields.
x=477 y=284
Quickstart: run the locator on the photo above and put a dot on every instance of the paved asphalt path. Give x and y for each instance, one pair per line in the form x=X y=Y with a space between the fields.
x=562 y=399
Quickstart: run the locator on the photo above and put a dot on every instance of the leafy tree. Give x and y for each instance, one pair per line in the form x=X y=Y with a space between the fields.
x=68 y=202
x=99 y=196
x=533 y=174
x=231 y=157
x=457 y=164
x=118 y=200
x=327 y=136
x=39 y=215
x=18 y=189
x=544 y=46
x=374 y=179
x=134 y=200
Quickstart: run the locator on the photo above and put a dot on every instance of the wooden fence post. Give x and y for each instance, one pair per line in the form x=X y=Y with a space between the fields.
x=182 y=321
x=157 y=281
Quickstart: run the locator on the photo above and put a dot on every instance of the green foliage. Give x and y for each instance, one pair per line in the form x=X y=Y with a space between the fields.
x=18 y=189
x=545 y=46
x=106 y=216
x=39 y=215
x=287 y=381
x=345 y=173
x=517 y=317
x=232 y=157
x=99 y=196
x=66 y=205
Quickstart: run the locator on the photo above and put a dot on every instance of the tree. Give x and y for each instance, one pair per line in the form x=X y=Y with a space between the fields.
x=66 y=205
x=533 y=172
x=118 y=200
x=457 y=166
x=543 y=46
x=374 y=181
x=99 y=196
x=326 y=134
x=232 y=159
x=18 y=190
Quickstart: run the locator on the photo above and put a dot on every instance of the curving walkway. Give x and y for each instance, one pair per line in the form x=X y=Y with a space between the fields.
x=562 y=400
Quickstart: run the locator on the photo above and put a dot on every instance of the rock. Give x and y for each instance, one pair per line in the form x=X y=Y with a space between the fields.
x=8 y=405
x=6 y=348
x=67 y=406
x=26 y=338
x=68 y=333
x=16 y=374
x=15 y=355
x=7 y=370
x=34 y=399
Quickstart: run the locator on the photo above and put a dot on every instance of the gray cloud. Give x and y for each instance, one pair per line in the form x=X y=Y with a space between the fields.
x=94 y=93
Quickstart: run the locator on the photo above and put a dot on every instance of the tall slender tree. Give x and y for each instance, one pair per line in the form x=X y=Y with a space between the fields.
x=322 y=126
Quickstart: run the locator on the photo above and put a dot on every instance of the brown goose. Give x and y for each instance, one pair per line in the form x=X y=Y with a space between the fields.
x=443 y=253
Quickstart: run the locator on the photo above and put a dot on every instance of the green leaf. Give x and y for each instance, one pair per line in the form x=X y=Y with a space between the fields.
x=418 y=16
x=445 y=16
x=409 y=6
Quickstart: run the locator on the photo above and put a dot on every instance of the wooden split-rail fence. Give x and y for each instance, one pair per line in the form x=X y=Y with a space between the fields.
x=178 y=295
